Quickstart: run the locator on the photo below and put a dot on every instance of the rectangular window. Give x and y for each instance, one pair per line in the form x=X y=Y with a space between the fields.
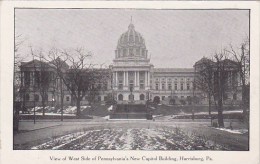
x=176 y=86
x=188 y=86
x=141 y=86
x=169 y=86
x=163 y=86
x=67 y=98
x=27 y=78
x=163 y=97
x=120 y=86
x=157 y=86
x=181 y=86
x=131 y=52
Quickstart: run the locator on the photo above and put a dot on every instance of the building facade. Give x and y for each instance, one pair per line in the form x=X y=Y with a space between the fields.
x=132 y=78
x=133 y=74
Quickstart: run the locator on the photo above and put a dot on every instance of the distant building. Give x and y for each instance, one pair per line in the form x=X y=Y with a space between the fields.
x=131 y=77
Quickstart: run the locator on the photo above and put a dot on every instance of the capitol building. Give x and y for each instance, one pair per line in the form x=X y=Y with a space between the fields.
x=132 y=79
x=133 y=74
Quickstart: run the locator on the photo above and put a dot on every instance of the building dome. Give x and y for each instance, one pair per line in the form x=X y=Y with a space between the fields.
x=131 y=44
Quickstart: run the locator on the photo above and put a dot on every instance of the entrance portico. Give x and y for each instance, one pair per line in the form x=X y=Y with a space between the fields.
x=131 y=68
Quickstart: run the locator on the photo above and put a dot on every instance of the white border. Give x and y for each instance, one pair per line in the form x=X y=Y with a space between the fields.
x=11 y=156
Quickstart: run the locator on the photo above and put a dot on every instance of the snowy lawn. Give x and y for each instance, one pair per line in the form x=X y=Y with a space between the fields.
x=132 y=139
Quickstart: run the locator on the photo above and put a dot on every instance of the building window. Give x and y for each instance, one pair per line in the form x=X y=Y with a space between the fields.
x=163 y=86
x=27 y=97
x=27 y=78
x=120 y=85
x=157 y=86
x=67 y=98
x=137 y=52
x=131 y=87
x=105 y=98
x=131 y=38
x=124 y=52
x=169 y=86
x=125 y=39
x=105 y=86
x=181 y=86
x=163 y=97
x=136 y=39
x=36 y=97
x=188 y=86
x=131 y=52
x=120 y=97
x=131 y=97
x=142 y=97
x=176 y=86
x=234 y=96
x=143 y=52
x=141 y=84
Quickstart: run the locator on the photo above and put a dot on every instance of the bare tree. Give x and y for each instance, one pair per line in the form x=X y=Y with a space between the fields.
x=18 y=59
x=79 y=79
x=43 y=77
x=58 y=61
x=242 y=59
x=203 y=80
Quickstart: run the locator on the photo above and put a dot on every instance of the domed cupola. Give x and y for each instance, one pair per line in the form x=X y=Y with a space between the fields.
x=131 y=45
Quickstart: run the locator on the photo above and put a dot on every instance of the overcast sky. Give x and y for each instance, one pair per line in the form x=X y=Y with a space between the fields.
x=174 y=38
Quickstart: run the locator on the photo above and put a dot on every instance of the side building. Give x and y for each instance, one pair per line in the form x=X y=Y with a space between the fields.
x=130 y=78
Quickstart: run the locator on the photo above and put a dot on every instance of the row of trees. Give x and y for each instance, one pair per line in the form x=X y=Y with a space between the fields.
x=70 y=69
x=214 y=77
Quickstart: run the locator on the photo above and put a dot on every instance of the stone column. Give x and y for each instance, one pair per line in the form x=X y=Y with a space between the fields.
x=138 y=81
x=135 y=79
x=127 y=78
x=116 y=79
x=149 y=84
x=145 y=79
x=124 y=80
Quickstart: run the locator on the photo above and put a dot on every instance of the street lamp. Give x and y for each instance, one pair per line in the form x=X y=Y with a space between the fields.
x=53 y=101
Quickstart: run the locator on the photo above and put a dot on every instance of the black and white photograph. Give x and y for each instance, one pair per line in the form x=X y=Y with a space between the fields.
x=129 y=82
x=131 y=79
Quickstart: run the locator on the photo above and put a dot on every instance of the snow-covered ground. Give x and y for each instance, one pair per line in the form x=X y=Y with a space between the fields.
x=206 y=113
x=235 y=131
x=131 y=139
x=67 y=111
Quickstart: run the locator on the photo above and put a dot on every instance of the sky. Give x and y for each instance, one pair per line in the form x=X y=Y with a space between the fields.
x=174 y=38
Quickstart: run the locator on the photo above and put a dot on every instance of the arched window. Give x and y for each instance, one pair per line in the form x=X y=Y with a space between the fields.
x=141 y=96
x=120 y=97
x=131 y=97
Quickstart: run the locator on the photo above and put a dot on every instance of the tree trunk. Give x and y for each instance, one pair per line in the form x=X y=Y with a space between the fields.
x=220 y=113
x=78 y=108
x=61 y=107
x=61 y=99
x=43 y=107
x=209 y=98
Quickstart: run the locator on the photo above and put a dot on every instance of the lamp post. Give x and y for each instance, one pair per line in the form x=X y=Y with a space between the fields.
x=53 y=101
